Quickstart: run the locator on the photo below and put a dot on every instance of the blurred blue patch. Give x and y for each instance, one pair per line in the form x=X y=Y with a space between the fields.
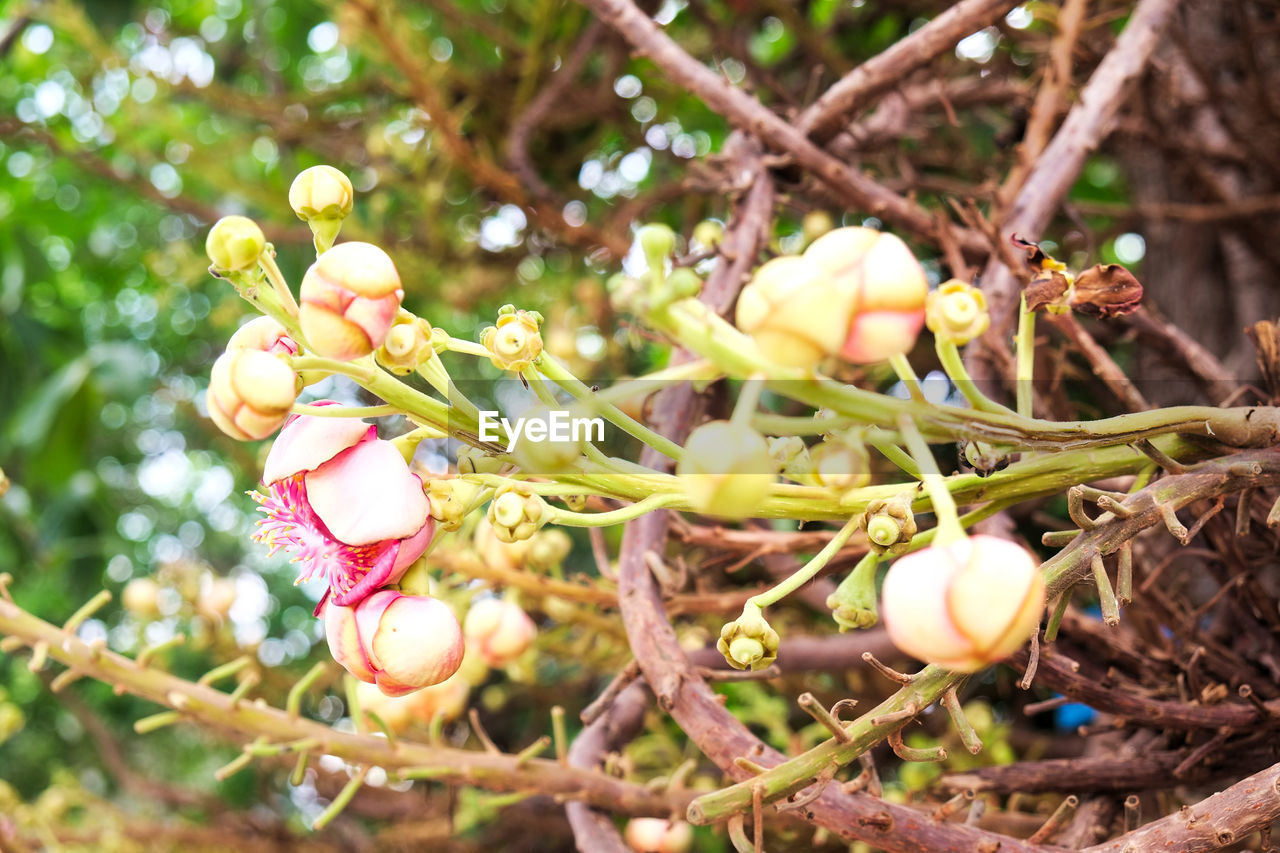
x=1069 y=717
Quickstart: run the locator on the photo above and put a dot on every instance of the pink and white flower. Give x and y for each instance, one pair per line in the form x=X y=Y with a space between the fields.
x=399 y=642
x=345 y=504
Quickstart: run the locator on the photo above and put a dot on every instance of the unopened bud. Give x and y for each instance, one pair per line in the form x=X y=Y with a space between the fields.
x=815 y=224
x=841 y=462
x=407 y=345
x=235 y=243
x=516 y=515
x=889 y=525
x=708 y=233
x=350 y=297
x=399 y=642
x=957 y=312
x=515 y=341
x=250 y=393
x=141 y=597
x=657 y=835
x=498 y=631
x=264 y=334
x=657 y=242
x=549 y=547
x=450 y=501
x=321 y=192
x=963 y=605
x=726 y=469
x=748 y=642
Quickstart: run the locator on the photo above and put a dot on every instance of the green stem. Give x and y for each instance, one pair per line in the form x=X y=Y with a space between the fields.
x=1026 y=359
x=267 y=260
x=944 y=506
x=810 y=569
x=568 y=518
x=344 y=411
x=748 y=401
x=953 y=365
x=562 y=376
x=902 y=367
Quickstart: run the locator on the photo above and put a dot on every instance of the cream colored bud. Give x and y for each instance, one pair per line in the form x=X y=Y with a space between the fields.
x=957 y=312
x=726 y=469
x=250 y=393
x=794 y=312
x=349 y=298
x=498 y=631
x=407 y=345
x=321 y=192
x=515 y=341
x=658 y=835
x=965 y=605
x=141 y=597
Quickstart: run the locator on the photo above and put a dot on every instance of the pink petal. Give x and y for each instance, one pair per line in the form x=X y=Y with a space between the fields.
x=369 y=613
x=342 y=632
x=412 y=548
x=367 y=493
x=308 y=441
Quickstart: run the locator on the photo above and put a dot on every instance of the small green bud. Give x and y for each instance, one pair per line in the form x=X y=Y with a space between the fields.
x=889 y=525
x=516 y=515
x=853 y=604
x=683 y=283
x=657 y=242
x=708 y=233
x=235 y=243
x=748 y=642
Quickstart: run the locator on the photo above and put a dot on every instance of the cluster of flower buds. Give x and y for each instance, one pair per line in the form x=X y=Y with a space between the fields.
x=252 y=387
x=451 y=499
x=498 y=631
x=748 y=642
x=965 y=604
x=515 y=341
x=344 y=503
x=401 y=643
x=855 y=292
x=349 y=299
x=726 y=469
x=956 y=312
x=516 y=515
x=658 y=835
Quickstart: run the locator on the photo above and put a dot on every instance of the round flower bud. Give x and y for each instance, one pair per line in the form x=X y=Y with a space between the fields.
x=556 y=452
x=235 y=243
x=250 y=393
x=141 y=597
x=516 y=516
x=748 y=642
x=889 y=525
x=498 y=631
x=841 y=463
x=815 y=224
x=349 y=298
x=657 y=835
x=407 y=345
x=726 y=469
x=885 y=285
x=321 y=192
x=548 y=548
x=510 y=556
x=656 y=241
x=957 y=312
x=473 y=460
x=793 y=311
x=216 y=597
x=265 y=335
x=963 y=605
x=399 y=642
x=708 y=233
x=515 y=341
x=791 y=456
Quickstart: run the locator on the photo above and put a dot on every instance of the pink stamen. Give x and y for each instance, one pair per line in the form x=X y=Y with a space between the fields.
x=291 y=525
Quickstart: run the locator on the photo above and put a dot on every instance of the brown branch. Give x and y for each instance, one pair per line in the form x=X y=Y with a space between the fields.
x=1104 y=367
x=1084 y=128
x=749 y=115
x=825 y=117
x=1221 y=819
x=594 y=830
x=246 y=721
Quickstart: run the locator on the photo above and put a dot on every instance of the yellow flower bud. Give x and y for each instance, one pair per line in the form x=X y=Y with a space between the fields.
x=515 y=515
x=726 y=469
x=407 y=345
x=658 y=835
x=794 y=312
x=235 y=243
x=957 y=312
x=965 y=605
x=515 y=341
x=749 y=642
x=321 y=192
x=250 y=393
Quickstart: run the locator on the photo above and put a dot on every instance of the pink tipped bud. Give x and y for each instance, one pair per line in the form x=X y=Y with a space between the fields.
x=250 y=393
x=965 y=605
x=498 y=630
x=265 y=335
x=657 y=835
x=399 y=642
x=350 y=298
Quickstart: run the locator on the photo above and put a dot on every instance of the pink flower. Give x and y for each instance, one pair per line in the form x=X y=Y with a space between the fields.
x=345 y=504
x=498 y=630
x=399 y=642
